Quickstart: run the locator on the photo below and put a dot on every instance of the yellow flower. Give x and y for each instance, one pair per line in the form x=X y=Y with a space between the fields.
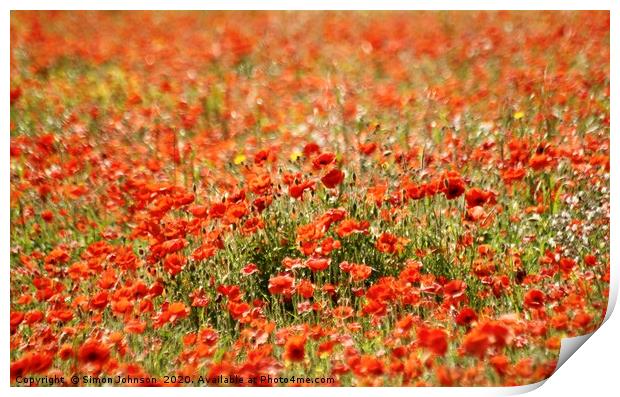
x=519 y=115
x=295 y=155
x=240 y=158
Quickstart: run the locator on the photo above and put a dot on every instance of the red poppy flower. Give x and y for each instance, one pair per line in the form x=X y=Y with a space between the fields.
x=534 y=299
x=317 y=264
x=249 y=269
x=16 y=319
x=513 y=174
x=500 y=363
x=65 y=352
x=47 y=216
x=281 y=284
x=238 y=310
x=476 y=197
x=343 y=312
x=453 y=185
x=295 y=348
x=323 y=160
x=590 y=260
x=174 y=264
x=454 y=289
x=305 y=289
x=20 y=367
x=333 y=178
x=567 y=265
x=360 y=272
x=40 y=362
x=177 y=310
x=466 y=316
x=436 y=340
x=297 y=190
x=367 y=148
x=476 y=343
x=93 y=355
x=16 y=93
x=391 y=244
x=311 y=148
x=350 y=226
x=100 y=300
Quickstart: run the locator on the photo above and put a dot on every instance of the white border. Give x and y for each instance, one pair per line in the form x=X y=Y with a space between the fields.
x=565 y=381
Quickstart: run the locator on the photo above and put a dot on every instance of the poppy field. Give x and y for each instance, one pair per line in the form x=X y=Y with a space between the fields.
x=345 y=198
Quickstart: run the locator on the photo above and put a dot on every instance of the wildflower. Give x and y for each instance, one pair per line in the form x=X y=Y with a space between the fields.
x=453 y=185
x=477 y=197
x=295 y=348
x=323 y=160
x=466 y=316
x=436 y=340
x=305 y=289
x=239 y=159
x=93 y=355
x=281 y=284
x=391 y=244
x=174 y=263
x=534 y=299
x=350 y=226
x=332 y=178
x=317 y=264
